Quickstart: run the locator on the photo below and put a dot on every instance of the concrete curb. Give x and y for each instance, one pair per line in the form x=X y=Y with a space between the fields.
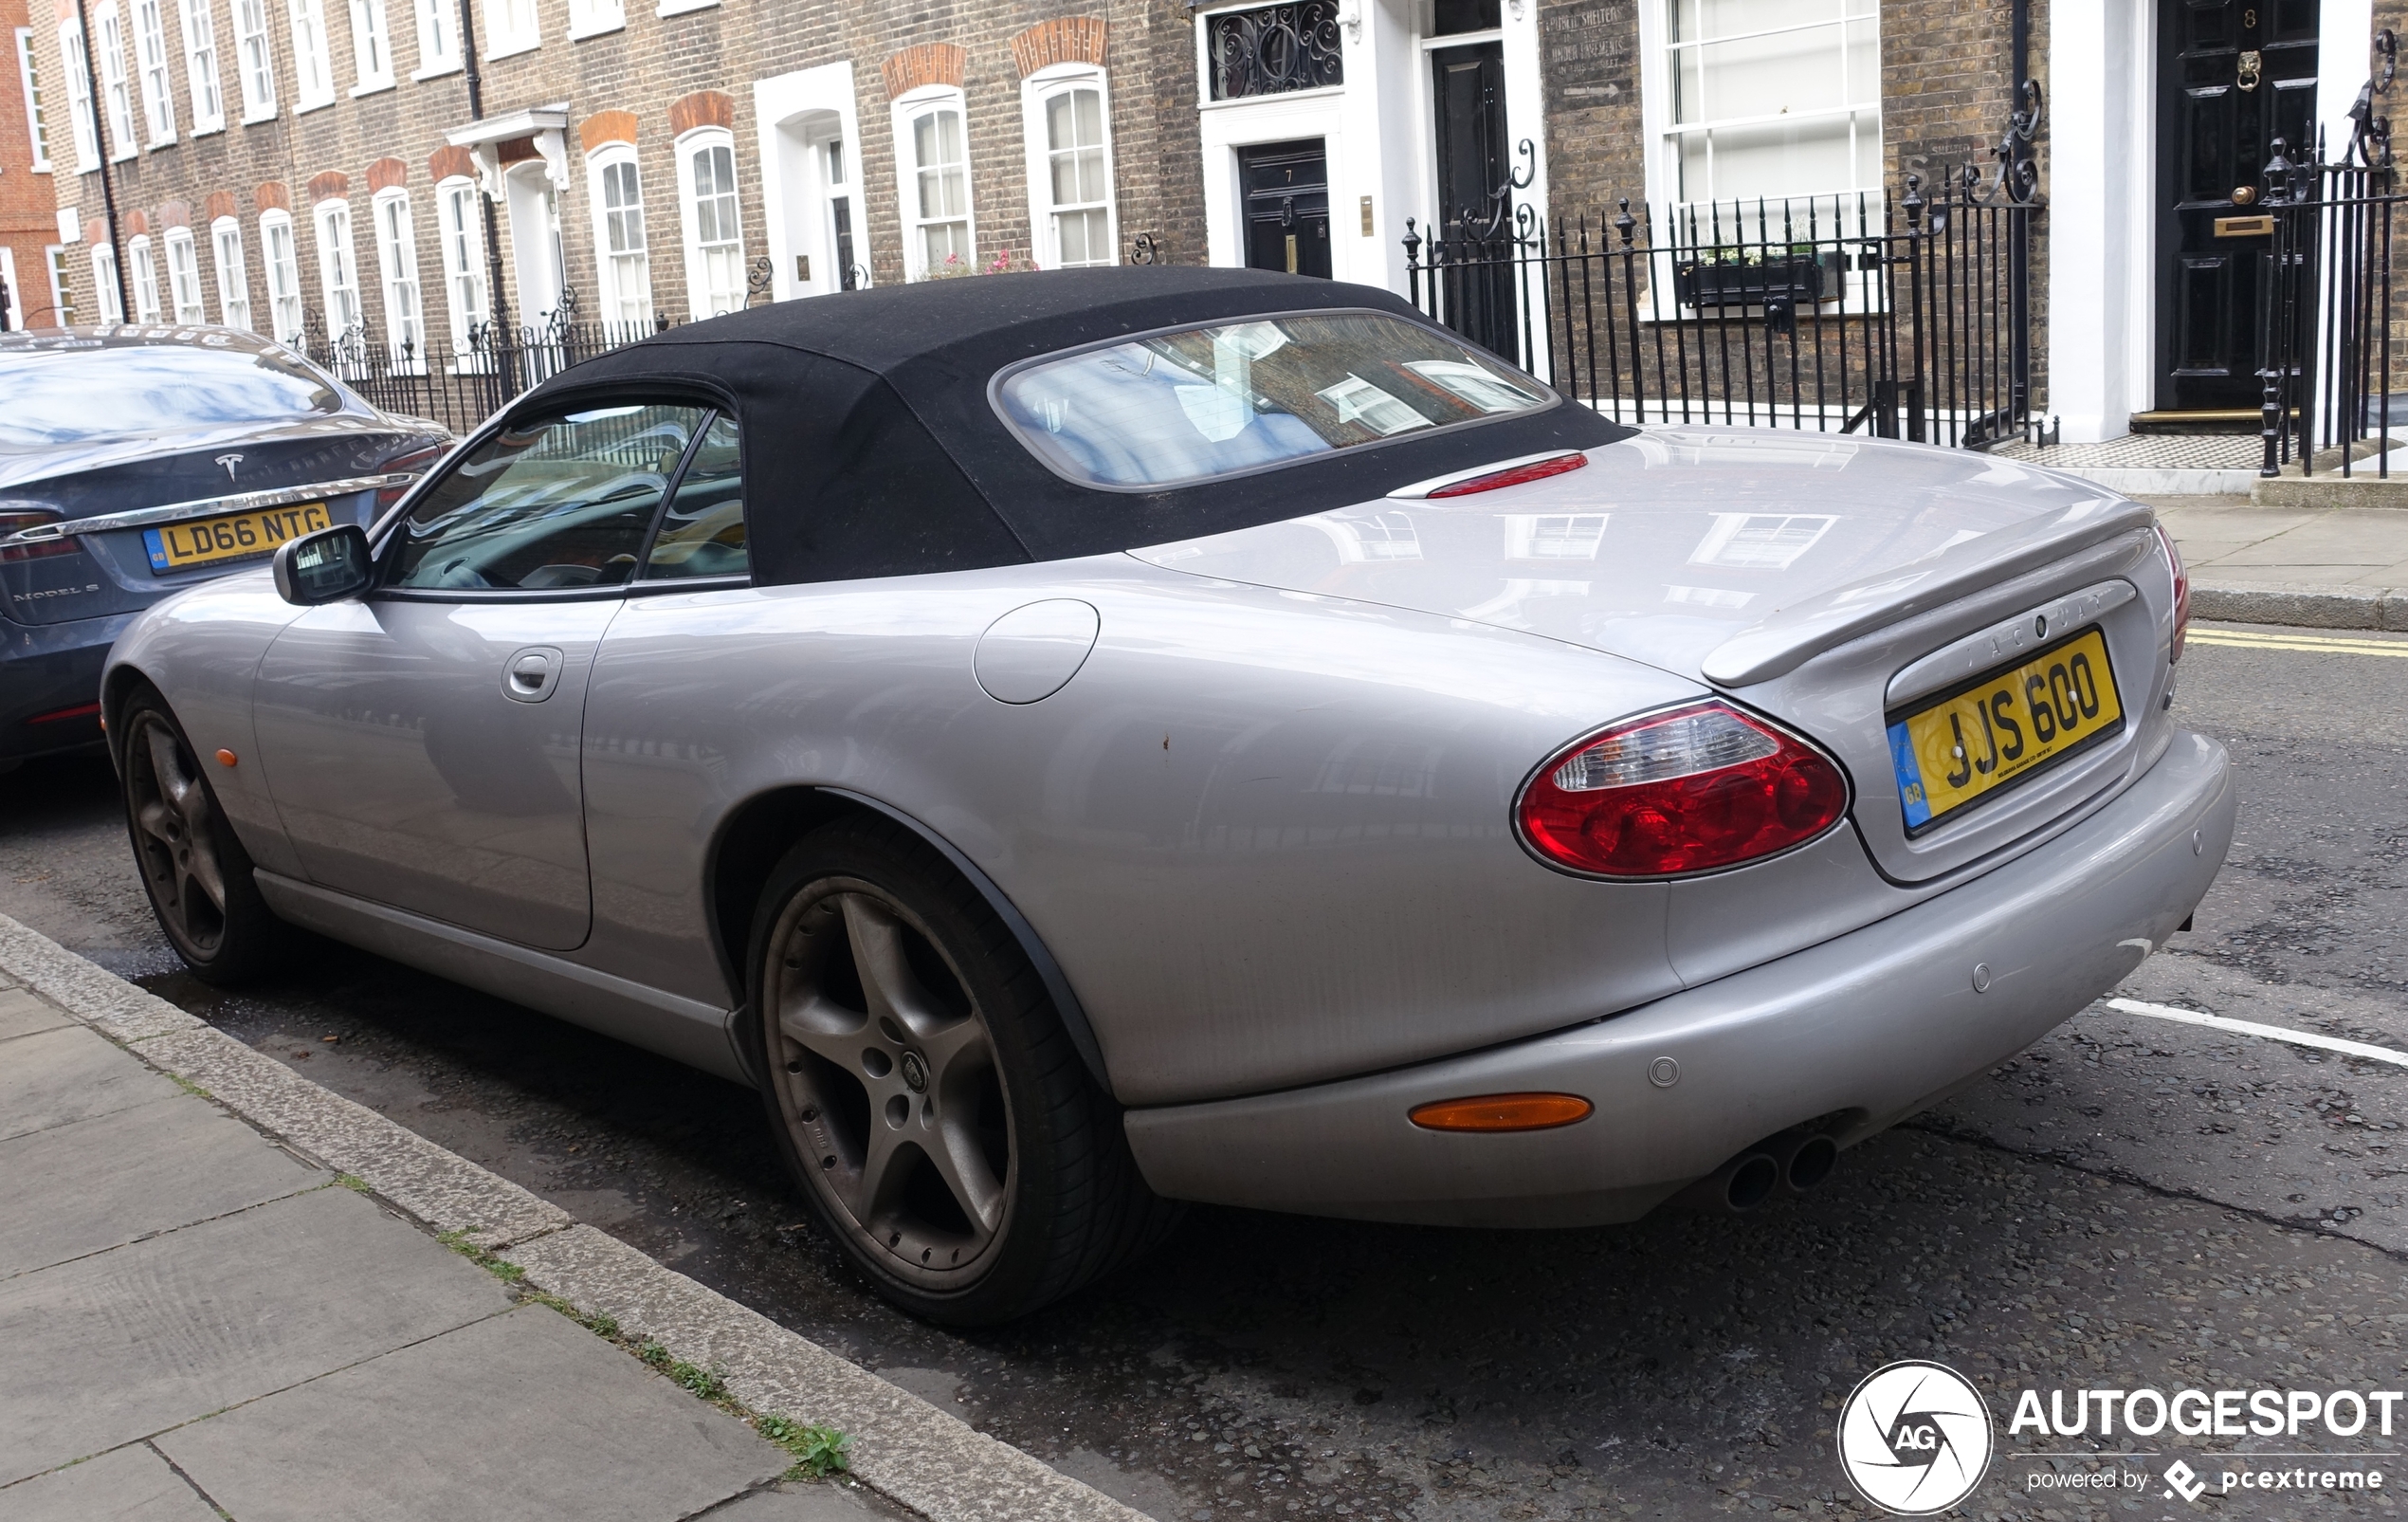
x=903 y=1447
x=2306 y=607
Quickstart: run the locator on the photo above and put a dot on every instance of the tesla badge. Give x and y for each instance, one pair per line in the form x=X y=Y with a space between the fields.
x=230 y=462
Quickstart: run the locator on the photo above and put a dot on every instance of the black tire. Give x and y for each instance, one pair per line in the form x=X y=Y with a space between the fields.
x=193 y=865
x=972 y=1169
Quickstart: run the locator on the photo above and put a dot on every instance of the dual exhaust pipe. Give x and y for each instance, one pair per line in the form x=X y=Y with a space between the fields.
x=1794 y=1161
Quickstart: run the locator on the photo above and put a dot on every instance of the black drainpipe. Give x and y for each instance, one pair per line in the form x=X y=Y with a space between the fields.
x=101 y=150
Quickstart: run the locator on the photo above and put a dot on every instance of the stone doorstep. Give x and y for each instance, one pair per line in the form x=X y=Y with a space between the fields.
x=905 y=1448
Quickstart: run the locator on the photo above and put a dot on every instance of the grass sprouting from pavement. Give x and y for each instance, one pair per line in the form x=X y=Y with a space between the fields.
x=819 y=1452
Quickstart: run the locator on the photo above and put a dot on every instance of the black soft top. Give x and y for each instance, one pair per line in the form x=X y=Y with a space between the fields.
x=871 y=448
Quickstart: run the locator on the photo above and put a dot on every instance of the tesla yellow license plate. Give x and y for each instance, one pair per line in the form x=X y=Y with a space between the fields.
x=2005 y=727
x=207 y=541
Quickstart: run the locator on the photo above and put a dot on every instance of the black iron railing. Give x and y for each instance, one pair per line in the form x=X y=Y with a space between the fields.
x=1907 y=318
x=460 y=385
x=2328 y=312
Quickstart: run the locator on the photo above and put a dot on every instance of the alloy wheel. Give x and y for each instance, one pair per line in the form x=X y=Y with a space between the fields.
x=175 y=833
x=886 y=1076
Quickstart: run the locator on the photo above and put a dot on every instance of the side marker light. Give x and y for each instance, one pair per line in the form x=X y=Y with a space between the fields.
x=1501 y=1112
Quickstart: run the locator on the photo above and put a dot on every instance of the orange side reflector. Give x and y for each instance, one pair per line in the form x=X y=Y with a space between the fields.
x=1502 y=1113
x=226 y=758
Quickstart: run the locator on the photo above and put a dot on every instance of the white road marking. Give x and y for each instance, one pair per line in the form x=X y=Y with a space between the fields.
x=2275 y=1032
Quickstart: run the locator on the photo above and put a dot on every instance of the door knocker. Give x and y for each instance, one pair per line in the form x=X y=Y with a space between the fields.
x=2252 y=65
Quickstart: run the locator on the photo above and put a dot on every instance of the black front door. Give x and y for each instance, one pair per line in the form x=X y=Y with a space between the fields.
x=1475 y=207
x=2235 y=75
x=1286 y=191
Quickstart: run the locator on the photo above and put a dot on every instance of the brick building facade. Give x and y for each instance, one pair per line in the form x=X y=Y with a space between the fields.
x=284 y=161
x=28 y=207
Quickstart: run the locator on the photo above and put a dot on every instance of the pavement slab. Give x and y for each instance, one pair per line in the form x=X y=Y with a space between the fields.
x=446 y=1191
x=93 y=1184
x=805 y=1502
x=21 y=1014
x=129 y=1484
x=54 y=1077
x=117 y=1346
x=908 y=1449
x=520 y=1415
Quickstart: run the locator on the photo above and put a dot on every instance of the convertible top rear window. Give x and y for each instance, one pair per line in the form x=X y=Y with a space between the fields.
x=1192 y=404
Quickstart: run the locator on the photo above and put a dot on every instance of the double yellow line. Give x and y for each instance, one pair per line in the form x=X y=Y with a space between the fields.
x=2316 y=644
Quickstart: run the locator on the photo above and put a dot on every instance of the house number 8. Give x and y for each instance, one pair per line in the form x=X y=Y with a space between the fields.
x=2249 y=19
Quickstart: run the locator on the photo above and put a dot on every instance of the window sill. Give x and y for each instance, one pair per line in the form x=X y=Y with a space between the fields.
x=377 y=88
x=158 y=143
x=512 y=49
x=435 y=71
x=578 y=34
x=125 y=156
x=682 y=7
x=41 y=169
x=252 y=118
x=304 y=107
x=209 y=130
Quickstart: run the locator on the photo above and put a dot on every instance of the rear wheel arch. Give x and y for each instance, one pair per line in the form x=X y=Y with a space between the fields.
x=755 y=836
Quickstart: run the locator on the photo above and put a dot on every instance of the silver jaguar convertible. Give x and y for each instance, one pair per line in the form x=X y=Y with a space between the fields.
x=1085 y=740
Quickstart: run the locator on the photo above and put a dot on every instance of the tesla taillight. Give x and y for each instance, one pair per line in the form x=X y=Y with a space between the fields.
x=1688 y=790
x=417 y=462
x=2182 y=593
x=14 y=520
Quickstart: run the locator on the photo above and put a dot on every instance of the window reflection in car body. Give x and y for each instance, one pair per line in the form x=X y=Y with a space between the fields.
x=557 y=501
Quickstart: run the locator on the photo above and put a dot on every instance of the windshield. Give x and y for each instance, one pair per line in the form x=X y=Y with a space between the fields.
x=1213 y=401
x=61 y=396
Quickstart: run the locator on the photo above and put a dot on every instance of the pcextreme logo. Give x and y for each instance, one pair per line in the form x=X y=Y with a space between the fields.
x=1915 y=1437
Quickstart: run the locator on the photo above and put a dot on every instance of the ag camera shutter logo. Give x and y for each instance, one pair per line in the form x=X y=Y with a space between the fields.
x=1915 y=1437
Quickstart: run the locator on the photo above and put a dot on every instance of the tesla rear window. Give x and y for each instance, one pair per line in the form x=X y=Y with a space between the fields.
x=1182 y=407
x=58 y=396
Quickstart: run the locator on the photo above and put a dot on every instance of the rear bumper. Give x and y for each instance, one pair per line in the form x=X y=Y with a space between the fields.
x=44 y=667
x=1873 y=1026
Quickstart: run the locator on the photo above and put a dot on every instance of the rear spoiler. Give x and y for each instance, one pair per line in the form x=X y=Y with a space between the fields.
x=1789 y=637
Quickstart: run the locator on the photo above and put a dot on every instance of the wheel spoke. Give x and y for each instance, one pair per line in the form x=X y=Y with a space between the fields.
x=155 y=818
x=885 y=1167
x=962 y=1164
x=819 y=1024
x=886 y=978
x=202 y=867
x=956 y=1053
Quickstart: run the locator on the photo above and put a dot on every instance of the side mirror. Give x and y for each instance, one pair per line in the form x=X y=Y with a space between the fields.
x=327 y=566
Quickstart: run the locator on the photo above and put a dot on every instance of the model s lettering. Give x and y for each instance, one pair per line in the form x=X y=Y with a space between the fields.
x=1085 y=740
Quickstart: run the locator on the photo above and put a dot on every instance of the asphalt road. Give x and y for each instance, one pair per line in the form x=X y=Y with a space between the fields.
x=2132 y=1204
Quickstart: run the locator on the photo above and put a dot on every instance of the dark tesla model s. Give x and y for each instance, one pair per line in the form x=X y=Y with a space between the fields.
x=135 y=461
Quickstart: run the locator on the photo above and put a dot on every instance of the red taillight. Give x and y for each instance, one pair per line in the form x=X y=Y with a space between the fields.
x=1686 y=791
x=1535 y=470
x=2182 y=593
x=13 y=520
x=417 y=462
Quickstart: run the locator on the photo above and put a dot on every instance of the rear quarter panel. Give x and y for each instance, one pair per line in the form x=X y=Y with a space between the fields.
x=1265 y=833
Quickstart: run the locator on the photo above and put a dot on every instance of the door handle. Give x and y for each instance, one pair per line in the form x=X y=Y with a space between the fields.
x=530 y=676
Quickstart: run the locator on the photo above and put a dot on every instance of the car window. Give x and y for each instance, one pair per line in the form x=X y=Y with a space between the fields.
x=1184 y=407
x=548 y=503
x=703 y=532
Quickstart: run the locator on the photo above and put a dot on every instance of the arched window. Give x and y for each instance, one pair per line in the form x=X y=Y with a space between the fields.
x=1068 y=122
x=146 y=278
x=184 y=275
x=338 y=268
x=932 y=156
x=233 y=278
x=397 y=271
x=622 y=252
x=104 y=284
x=462 y=231
x=713 y=222
x=278 y=252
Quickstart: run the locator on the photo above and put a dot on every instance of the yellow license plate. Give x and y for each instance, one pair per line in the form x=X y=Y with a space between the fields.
x=207 y=541
x=2003 y=728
